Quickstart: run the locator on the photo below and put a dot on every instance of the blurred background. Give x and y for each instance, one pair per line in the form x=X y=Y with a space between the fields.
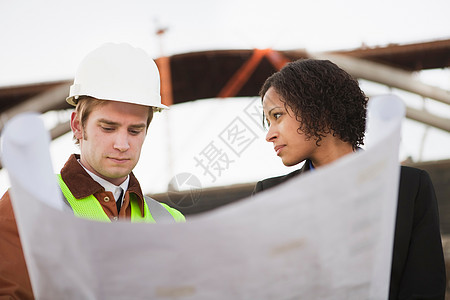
x=209 y=149
x=213 y=57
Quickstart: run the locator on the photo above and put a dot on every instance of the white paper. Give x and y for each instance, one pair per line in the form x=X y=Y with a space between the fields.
x=327 y=234
x=27 y=158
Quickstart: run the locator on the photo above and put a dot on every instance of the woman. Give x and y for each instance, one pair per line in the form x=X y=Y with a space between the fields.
x=316 y=113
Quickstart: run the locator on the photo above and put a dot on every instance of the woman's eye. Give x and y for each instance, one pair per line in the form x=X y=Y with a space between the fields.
x=276 y=115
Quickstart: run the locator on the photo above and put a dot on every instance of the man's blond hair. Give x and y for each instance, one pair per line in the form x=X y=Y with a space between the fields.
x=86 y=105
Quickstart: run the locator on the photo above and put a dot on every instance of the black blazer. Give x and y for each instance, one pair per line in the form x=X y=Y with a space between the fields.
x=418 y=268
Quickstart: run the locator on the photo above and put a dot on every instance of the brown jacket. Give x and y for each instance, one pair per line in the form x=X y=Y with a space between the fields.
x=14 y=279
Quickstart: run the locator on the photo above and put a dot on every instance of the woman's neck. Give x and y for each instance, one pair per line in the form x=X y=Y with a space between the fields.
x=330 y=149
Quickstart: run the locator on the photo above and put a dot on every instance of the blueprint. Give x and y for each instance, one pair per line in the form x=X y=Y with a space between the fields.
x=324 y=235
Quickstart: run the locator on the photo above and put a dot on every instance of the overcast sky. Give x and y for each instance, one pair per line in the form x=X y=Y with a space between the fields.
x=45 y=40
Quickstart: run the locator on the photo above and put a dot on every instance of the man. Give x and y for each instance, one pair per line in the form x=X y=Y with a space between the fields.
x=115 y=92
x=316 y=113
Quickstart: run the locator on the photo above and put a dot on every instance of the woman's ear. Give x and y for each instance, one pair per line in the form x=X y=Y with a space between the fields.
x=76 y=126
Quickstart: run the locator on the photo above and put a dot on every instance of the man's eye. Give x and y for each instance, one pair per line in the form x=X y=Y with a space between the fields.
x=107 y=128
x=135 y=132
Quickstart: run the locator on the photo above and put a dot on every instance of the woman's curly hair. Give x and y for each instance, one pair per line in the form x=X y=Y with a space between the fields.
x=324 y=98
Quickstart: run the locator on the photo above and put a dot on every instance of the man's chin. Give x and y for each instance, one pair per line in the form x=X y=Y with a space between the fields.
x=114 y=175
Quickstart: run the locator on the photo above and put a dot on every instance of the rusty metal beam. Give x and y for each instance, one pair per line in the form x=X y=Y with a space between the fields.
x=41 y=103
x=243 y=74
x=166 y=80
x=277 y=59
x=60 y=129
x=393 y=77
x=428 y=118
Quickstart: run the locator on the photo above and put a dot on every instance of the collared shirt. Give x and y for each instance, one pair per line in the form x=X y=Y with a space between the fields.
x=311 y=166
x=109 y=187
x=81 y=184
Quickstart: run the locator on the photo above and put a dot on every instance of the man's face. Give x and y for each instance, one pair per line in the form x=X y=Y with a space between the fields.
x=112 y=138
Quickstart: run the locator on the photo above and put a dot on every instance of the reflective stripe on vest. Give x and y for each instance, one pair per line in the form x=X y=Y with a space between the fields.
x=90 y=208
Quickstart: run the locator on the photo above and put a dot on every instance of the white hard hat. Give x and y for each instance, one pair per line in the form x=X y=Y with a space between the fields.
x=118 y=72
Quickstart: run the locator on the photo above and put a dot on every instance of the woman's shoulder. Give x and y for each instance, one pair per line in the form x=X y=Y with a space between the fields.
x=273 y=181
x=413 y=175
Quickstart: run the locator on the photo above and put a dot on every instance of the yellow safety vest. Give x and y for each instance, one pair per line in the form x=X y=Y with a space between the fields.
x=90 y=208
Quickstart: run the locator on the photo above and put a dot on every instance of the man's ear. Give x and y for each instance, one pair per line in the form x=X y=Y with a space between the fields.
x=75 y=124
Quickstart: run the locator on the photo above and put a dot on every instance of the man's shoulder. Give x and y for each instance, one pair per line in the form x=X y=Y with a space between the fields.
x=6 y=210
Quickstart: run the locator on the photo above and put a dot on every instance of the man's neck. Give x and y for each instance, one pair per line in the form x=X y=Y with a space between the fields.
x=108 y=186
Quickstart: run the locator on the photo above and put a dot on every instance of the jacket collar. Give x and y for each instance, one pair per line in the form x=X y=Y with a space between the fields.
x=82 y=185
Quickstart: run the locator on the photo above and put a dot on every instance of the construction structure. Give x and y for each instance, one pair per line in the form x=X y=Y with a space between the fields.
x=241 y=73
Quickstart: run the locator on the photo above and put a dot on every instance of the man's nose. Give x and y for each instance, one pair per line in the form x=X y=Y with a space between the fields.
x=121 y=142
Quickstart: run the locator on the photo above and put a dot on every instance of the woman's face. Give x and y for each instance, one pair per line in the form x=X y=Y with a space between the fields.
x=290 y=144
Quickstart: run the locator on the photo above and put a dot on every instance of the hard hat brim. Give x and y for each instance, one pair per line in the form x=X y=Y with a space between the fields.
x=73 y=100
